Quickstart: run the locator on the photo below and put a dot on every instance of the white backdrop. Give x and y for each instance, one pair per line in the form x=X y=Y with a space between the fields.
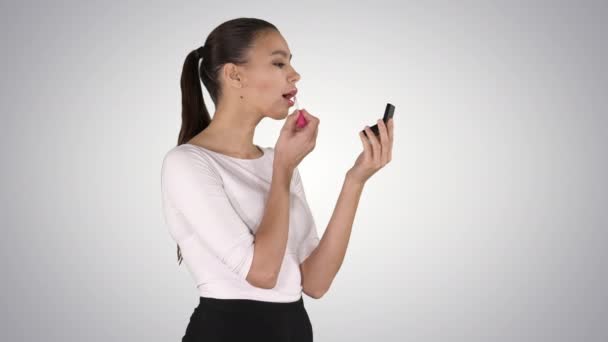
x=488 y=225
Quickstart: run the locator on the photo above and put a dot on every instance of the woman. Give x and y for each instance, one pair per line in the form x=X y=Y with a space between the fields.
x=237 y=211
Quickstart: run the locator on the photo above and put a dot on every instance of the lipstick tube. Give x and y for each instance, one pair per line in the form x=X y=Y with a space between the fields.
x=301 y=121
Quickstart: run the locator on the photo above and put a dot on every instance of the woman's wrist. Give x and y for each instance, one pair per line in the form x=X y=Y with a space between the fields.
x=351 y=179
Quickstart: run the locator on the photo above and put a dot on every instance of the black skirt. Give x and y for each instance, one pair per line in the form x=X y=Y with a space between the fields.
x=228 y=320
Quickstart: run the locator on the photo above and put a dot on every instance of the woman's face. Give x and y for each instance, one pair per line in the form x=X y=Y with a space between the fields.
x=268 y=75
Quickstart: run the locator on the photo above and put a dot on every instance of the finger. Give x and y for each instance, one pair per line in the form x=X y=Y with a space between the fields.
x=311 y=121
x=293 y=114
x=391 y=126
x=366 y=146
x=309 y=117
x=375 y=144
x=383 y=140
x=291 y=118
x=312 y=128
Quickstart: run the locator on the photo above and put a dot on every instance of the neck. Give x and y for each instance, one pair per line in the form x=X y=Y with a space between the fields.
x=232 y=131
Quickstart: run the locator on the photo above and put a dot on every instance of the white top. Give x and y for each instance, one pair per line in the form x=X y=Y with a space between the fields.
x=213 y=205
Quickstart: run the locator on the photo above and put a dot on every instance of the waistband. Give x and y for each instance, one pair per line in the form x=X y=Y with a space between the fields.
x=249 y=305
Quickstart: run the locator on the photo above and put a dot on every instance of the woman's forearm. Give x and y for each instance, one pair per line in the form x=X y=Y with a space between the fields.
x=322 y=265
x=271 y=236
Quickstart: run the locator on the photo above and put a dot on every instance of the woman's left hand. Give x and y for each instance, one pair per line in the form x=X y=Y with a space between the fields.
x=376 y=153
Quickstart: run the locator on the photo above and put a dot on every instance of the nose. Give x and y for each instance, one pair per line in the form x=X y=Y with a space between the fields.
x=295 y=77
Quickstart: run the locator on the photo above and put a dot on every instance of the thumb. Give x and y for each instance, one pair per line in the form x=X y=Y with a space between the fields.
x=290 y=120
x=308 y=120
x=309 y=117
x=292 y=116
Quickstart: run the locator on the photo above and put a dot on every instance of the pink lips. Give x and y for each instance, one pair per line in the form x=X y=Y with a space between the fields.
x=291 y=94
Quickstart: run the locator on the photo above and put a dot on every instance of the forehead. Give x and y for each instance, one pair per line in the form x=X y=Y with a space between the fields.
x=271 y=45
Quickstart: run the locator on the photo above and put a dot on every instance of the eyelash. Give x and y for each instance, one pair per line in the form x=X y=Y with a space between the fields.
x=277 y=64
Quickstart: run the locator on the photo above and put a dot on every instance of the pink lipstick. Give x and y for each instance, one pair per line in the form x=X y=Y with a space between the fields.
x=301 y=121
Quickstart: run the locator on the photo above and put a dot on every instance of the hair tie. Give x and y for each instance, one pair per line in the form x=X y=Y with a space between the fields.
x=199 y=52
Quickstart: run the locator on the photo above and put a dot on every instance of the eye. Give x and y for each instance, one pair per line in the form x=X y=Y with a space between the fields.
x=279 y=64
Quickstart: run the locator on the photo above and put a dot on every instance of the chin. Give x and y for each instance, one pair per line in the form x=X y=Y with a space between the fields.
x=281 y=116
x=278 y=115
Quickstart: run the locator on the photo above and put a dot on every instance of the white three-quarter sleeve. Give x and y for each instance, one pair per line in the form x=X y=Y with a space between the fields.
x=196 y=193
x=311 y=238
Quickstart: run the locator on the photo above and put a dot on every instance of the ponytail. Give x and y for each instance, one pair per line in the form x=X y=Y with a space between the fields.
x=227 y=43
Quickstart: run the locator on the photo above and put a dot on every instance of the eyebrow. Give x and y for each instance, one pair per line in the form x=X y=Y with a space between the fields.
x=281 y=52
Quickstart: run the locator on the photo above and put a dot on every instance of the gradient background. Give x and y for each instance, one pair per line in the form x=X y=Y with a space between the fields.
x=489 y=224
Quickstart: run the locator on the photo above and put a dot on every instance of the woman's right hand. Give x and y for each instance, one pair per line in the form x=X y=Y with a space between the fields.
x=295 y=143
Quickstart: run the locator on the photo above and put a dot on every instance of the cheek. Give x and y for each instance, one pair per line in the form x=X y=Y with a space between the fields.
x=268 y=89
x=265 y=87
x=266 y=83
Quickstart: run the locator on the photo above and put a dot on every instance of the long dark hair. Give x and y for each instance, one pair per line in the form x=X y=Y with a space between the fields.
x=227 y=43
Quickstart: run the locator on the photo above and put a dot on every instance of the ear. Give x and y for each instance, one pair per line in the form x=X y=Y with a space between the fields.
x=232 y=75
